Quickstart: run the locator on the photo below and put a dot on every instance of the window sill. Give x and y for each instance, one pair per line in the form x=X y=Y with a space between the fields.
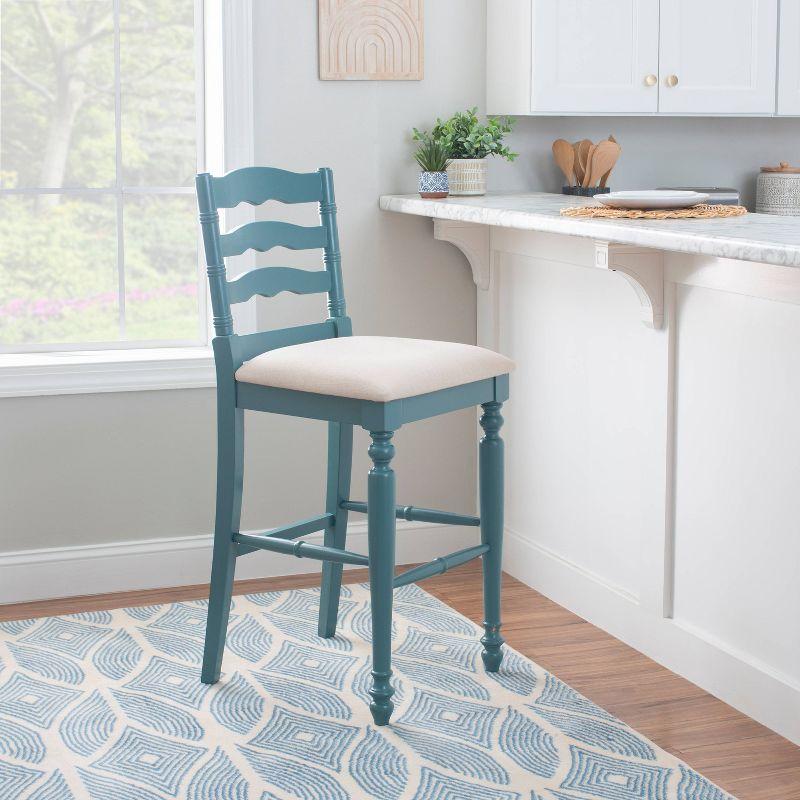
x=98 y=371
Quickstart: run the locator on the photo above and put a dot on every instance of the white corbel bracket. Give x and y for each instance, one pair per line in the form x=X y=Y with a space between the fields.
x=473 y=241
x=643 y=268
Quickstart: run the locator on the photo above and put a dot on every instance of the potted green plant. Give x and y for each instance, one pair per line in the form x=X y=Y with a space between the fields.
x=468 y=143
x=432 y=159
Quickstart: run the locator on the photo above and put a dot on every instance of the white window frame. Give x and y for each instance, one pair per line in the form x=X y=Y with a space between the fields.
x=225 y=53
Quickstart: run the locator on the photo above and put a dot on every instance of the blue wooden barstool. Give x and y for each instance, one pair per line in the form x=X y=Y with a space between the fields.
x=322 y=371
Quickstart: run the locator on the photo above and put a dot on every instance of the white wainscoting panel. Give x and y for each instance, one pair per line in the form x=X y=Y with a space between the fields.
x=652 y=478
x=585 y=422
x=750 y=685
x=737 y=509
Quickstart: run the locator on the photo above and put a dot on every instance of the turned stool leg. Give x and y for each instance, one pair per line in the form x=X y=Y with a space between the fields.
x=381 y=533
x=490 y=468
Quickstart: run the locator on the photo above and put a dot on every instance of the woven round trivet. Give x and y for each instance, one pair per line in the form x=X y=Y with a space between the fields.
x=695 y=212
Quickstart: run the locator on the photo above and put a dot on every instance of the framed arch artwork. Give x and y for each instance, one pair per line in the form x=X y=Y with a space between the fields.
x=371 y=40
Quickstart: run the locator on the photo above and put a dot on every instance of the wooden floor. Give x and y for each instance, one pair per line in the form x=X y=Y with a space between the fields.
x=743 y=757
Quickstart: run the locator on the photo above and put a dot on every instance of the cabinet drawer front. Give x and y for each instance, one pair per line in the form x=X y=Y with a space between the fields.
x=594 y=56
x=718 y=56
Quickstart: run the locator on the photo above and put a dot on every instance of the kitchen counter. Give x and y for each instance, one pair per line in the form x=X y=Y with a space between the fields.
x=762 y=238
x=652 y=468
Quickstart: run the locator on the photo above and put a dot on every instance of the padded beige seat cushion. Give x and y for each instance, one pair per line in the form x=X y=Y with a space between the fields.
x=379 y=368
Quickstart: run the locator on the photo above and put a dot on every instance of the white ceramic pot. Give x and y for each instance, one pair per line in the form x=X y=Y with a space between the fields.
x=467 y=176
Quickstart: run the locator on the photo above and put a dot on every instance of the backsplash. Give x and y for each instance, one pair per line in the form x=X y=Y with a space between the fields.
x=656 y=151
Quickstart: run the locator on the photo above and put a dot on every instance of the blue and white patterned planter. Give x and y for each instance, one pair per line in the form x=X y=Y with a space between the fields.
x=433 y=185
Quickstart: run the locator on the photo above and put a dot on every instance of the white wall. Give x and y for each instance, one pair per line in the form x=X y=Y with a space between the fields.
x=398 y=281
x=109 y=468
x=656 y=151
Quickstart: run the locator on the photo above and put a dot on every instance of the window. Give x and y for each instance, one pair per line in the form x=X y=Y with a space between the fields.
x=101 y=133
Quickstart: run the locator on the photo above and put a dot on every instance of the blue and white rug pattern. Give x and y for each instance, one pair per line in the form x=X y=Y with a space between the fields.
x=108 y=705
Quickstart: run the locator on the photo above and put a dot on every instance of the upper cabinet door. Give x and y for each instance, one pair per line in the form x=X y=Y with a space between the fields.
x=718 y=56
x=594 y=56
x=789 y=59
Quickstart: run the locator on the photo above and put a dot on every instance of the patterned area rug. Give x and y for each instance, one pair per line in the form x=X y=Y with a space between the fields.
x=109 y=706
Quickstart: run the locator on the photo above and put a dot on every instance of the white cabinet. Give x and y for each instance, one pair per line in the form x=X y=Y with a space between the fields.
x=639 y=56
x=595 y=55
x=789 y=59
x=718 y=56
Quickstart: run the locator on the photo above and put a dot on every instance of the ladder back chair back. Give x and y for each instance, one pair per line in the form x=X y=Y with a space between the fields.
x=297 y=371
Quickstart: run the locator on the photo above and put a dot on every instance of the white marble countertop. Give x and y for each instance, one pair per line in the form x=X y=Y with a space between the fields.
x=763 y=238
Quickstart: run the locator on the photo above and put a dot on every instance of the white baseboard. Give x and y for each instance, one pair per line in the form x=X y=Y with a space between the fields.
x=155 y=563
x=737 y=678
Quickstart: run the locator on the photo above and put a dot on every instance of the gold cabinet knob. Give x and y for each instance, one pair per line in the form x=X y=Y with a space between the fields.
x=672 y=81
x=650 y=80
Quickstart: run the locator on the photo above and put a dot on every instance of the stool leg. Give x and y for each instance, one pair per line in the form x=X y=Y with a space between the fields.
x=490 y=468
x=381 y=533
x=230 y=474
x=340 y=458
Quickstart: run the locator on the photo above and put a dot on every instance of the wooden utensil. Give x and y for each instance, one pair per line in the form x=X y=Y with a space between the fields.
x=565 y=158
x=577 y=164
x=603 y=157
x=604 y=179
x=584 y=145
x=587 y=174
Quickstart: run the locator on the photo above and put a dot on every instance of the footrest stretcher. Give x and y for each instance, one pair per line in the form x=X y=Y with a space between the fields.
x=300 y=549
x=439 y=565
x=414 y=514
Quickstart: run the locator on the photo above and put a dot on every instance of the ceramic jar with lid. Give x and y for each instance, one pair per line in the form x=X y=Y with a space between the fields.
x=778 y=190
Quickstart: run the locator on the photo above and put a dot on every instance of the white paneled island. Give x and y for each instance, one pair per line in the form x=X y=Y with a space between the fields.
x=653 y=431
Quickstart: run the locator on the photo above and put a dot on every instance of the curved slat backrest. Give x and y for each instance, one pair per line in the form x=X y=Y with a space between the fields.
x=269 y=281
x=263 y=236
x=256 y=185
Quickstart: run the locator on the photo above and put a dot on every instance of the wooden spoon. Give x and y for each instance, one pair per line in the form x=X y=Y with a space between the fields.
x=587 y=175
x=565 y=158
x=584 y=145
x=604 y=179
x=604 y=156
x=577 y=164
